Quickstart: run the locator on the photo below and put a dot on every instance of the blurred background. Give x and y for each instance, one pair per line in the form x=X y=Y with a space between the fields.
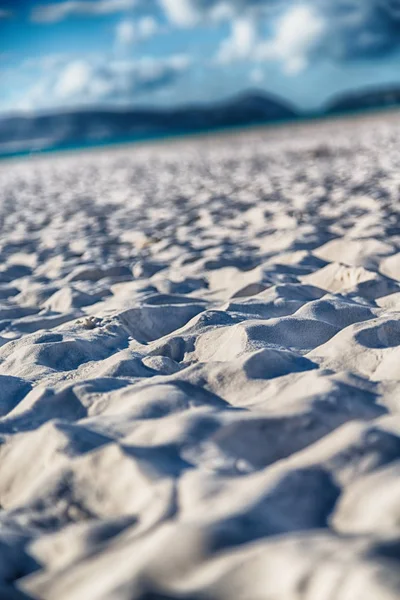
x=84 y=72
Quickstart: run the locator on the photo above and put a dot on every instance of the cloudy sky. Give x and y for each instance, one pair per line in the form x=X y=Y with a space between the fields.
x=69 y=53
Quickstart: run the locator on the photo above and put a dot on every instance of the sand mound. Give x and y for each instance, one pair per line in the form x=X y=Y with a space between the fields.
x=199 y=370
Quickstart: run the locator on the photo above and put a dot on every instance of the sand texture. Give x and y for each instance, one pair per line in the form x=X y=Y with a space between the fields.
x=200 y=369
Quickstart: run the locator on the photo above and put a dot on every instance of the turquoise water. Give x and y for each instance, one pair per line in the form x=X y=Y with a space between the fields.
x=126 y=140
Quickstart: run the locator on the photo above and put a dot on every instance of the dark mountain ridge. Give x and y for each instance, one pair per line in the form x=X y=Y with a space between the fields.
x=364 y=99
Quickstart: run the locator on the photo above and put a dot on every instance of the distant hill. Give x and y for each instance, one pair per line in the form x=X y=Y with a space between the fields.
x=365 y=99
x=23 y=132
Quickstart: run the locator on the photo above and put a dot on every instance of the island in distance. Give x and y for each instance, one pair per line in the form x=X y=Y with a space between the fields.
x=367 y=99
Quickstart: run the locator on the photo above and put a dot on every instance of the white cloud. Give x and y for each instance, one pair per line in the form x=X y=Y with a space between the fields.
x=93 y=81
x=51 y=13
x=5 y=14
x=353 y=29
x=181 y=12
x=129 y=32
x=241 y=42
x=186 y=13
x=147 y=27
x=126 y=32
x=297 y=34
x=148 y=74
x=75 y=80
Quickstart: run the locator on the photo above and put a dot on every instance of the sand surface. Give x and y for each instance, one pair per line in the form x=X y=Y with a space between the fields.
x=200 y=369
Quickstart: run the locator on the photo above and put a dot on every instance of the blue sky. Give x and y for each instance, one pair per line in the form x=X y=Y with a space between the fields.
x=70 y=53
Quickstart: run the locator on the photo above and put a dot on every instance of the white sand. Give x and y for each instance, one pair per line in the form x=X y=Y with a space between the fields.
x=200 y=369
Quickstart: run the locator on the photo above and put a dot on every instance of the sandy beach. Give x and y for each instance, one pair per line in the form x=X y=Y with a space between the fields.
x=199 y=368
